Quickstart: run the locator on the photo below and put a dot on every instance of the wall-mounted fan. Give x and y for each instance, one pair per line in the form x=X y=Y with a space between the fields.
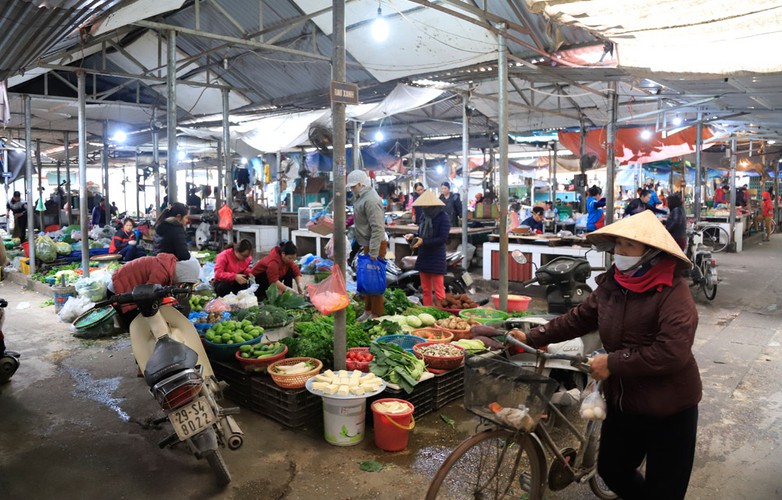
x=322 y=138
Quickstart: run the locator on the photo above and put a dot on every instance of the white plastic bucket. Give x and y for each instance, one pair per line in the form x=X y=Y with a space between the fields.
x=343 y=421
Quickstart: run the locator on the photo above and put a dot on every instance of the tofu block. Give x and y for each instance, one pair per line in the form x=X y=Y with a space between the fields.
x=344 y=380
x=331 y=389
x=355 y=375
x=343 y=373
x=357 y=390
x=328 y=373
x=319 y=386
x=367 y=377
x=353 y=382
x=322 y=378
x=343 y=390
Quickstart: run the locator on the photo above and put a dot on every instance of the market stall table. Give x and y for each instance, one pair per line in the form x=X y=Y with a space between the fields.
x=400 y=247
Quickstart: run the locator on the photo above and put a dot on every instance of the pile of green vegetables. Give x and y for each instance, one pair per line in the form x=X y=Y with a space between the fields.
x=433 y=311
x=51 y=272
x=395 y=301
x=285 y=300
x=265 y=316
x=395 y=365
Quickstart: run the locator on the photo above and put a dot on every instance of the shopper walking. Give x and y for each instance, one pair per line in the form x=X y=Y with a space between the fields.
x=646 y=317
x=453 y=204
x=594 y=206
x=369 y=228
x=430 y=243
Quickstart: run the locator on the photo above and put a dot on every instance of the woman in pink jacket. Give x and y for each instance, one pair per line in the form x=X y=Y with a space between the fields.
x=232 y=268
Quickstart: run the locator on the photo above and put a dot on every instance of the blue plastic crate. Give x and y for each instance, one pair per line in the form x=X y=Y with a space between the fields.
x=406 y=342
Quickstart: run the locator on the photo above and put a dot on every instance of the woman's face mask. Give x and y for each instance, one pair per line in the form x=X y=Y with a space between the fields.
x=432 y=211
x=626 y=262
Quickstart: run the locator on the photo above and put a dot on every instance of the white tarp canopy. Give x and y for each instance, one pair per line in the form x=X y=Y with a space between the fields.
x=285 y=132
x=681 y=36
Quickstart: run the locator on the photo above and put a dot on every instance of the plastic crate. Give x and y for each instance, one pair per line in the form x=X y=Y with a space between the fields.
x=291 y=407
x=238 y=380
x=406 y=342
x=448 y=387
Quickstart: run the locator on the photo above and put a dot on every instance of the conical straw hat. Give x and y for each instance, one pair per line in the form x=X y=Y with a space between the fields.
x=644 y=228
x=428 y=199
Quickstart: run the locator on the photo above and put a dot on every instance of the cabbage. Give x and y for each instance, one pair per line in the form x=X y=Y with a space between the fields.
x=45 y=249
x=414 y=321
x=63 y=248
x=426 y=319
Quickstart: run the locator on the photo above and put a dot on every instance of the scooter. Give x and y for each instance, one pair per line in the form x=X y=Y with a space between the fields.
x=565 y=281
x=456 y=282
x=9 y=360
x=169 y=352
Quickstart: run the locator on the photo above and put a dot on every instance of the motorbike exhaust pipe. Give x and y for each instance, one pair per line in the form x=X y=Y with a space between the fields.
x=235 y=436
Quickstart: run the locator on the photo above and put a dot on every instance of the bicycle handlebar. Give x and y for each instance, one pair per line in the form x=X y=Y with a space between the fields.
x=577 y=361
x=143 y=292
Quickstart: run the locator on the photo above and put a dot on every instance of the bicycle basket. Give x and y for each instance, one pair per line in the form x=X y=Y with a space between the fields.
x=493 y=379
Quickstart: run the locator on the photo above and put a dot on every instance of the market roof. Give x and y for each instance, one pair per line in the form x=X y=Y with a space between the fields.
x=562 y=54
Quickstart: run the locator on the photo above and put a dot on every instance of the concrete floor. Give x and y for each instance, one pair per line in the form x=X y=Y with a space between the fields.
x=74 y=421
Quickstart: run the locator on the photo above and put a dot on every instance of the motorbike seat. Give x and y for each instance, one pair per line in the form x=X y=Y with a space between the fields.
x=409 y=262
x=168 y=357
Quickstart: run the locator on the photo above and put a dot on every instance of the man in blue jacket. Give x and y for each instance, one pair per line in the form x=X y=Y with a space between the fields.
x=535 y=221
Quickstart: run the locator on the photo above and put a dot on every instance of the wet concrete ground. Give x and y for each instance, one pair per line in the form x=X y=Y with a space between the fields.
x=75 y=420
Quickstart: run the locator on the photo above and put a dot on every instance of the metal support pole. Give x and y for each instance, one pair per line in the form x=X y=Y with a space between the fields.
x=613 y=104
x=279 y=197
x=582 y=151
x=138 y=187
x=171 y=118
x=732 y=220
x=465 y=174
x=339 y=74
x=503 y=132
x=356 y=147
x=28 y=180
x=40 y=182
x=776 y=193
x=554 y=180
x=156 y=158
x=698 y=194
x=229 y=178
x=83 y=217
x=105 y=167
x=68 y=198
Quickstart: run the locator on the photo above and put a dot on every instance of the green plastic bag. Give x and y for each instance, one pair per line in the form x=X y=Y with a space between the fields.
x=45 y=249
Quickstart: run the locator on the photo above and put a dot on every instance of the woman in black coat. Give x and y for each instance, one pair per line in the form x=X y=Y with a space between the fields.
x=676 y=223
x=170 y=236
x=433 y=229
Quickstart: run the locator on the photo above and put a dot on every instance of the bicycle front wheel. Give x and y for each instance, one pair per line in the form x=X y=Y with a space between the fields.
x=716 y=238
x=709 y=283
x=493 y=464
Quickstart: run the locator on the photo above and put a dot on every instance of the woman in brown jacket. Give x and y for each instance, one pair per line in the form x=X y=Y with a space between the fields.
x=647 y=319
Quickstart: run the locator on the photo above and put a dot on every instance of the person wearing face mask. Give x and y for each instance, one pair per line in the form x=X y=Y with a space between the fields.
x=418 y=190
x=369 y=229
x=646 y=317
x=430 y=242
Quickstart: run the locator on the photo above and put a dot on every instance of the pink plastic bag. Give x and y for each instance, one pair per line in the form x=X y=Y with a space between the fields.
x=226 y=218
x=330 y=295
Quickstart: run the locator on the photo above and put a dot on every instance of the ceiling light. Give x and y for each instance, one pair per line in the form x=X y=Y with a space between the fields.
x=772 y=142
x=379 y=26
x=677 y=120
x=439 y=169
x=243 y=160
x=379 y=136
x=646 y=134
x=119 y=136
x=181 y=155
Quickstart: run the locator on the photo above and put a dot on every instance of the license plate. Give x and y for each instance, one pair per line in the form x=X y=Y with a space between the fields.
x=467 y=279
x=192 y=418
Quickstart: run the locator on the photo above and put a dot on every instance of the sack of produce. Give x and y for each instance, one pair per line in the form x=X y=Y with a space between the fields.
x=63 y=248
x=371 y=275
x=45 y=249
x=330 y=295
x=217 y=305
x=73 y=308
x=91 y=289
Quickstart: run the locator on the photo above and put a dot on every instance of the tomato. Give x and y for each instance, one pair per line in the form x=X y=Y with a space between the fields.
x=351 y=355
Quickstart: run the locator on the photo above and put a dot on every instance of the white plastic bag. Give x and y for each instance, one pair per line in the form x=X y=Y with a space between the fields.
x=91 y=288
x=73 y=308
x=593 y=407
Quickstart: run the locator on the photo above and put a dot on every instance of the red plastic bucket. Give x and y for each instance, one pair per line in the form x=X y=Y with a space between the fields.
x=26 y=246
x=392 y=430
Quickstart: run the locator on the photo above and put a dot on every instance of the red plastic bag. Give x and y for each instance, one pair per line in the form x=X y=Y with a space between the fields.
x=226 y=218
x=330 y=295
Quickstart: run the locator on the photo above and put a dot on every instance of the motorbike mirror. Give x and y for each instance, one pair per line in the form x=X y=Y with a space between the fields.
x=519 y=257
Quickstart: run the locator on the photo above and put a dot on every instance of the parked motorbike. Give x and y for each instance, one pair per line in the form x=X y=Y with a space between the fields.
x=208 y=235
x=565 y=281
x=704 y=267
x=9 y=360
x=169 y=353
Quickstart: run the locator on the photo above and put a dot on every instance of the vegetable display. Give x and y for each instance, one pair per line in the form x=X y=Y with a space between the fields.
x=266 y=316
x=395 y=365
x=471 y=345
x=462 y=301
x=233 y=332
x=197 y=302
x=395 y=301
x=261 y=351
x=297 y=369
x=285 y=300
x=453 y=323
x=431 y=311
x=410 y=322
x=345 y=383
x=315 y=338
x=441 y=350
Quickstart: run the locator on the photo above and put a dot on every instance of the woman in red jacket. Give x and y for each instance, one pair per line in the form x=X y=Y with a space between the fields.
x=279 y=269
x=644 y=312
x=232 y=267
x=124 y=242
x=768 y=214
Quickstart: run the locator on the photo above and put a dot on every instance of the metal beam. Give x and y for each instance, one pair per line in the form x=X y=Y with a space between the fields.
x=120 y=74
x=83 y=222
x=228 y=16
x=230 y=39
x=338 y=111
x=171 y=117
x=28 y=181
x=503 y=133
x=610 y=154
x=698 y=198
x=732 y=219
x=229 y=178
x=465 y=174
x=156 y=158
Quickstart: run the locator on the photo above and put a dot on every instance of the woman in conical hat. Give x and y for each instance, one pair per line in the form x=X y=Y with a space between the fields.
x=433 y=228
x=646 y=318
